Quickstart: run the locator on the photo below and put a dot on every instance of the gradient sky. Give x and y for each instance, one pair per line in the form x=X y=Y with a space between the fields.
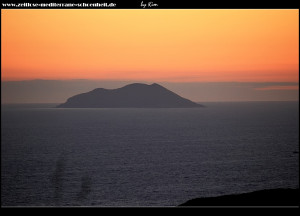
x=151 y=45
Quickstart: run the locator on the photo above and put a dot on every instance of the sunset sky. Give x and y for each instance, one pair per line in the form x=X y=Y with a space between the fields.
x=151 y=45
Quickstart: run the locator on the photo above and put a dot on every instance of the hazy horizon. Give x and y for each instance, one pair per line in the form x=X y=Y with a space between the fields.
x=58 y=91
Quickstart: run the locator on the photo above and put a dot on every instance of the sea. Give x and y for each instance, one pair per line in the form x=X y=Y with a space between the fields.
x=128 y=157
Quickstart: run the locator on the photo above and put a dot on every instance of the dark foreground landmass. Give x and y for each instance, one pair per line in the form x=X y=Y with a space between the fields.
x=135 y=95
x=272 y=197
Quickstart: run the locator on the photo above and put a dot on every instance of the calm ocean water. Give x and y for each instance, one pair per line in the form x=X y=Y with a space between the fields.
x=145 y=157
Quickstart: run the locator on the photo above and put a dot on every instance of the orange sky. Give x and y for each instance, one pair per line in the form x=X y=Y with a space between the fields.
x=151 y=45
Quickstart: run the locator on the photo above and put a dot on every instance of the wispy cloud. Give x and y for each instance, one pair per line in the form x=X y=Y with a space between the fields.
x=283 y=87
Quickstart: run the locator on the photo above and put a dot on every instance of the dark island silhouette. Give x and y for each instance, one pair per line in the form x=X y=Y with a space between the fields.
x=271 y=197
x=135 y=95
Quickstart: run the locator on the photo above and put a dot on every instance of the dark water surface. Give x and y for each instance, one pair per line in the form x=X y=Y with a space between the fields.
x=145 y=157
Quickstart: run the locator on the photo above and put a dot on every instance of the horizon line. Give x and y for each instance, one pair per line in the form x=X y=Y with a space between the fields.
x=233 y=101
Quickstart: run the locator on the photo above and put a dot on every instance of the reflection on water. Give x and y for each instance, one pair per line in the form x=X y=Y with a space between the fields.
x=57 y=179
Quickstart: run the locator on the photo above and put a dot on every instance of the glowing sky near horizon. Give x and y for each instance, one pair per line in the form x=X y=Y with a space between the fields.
x=151 y=45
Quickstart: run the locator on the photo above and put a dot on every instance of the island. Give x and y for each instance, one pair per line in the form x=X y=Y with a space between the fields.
x=135 y=95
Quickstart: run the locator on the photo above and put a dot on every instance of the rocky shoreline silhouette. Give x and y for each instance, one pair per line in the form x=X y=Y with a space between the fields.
x=271 y=197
